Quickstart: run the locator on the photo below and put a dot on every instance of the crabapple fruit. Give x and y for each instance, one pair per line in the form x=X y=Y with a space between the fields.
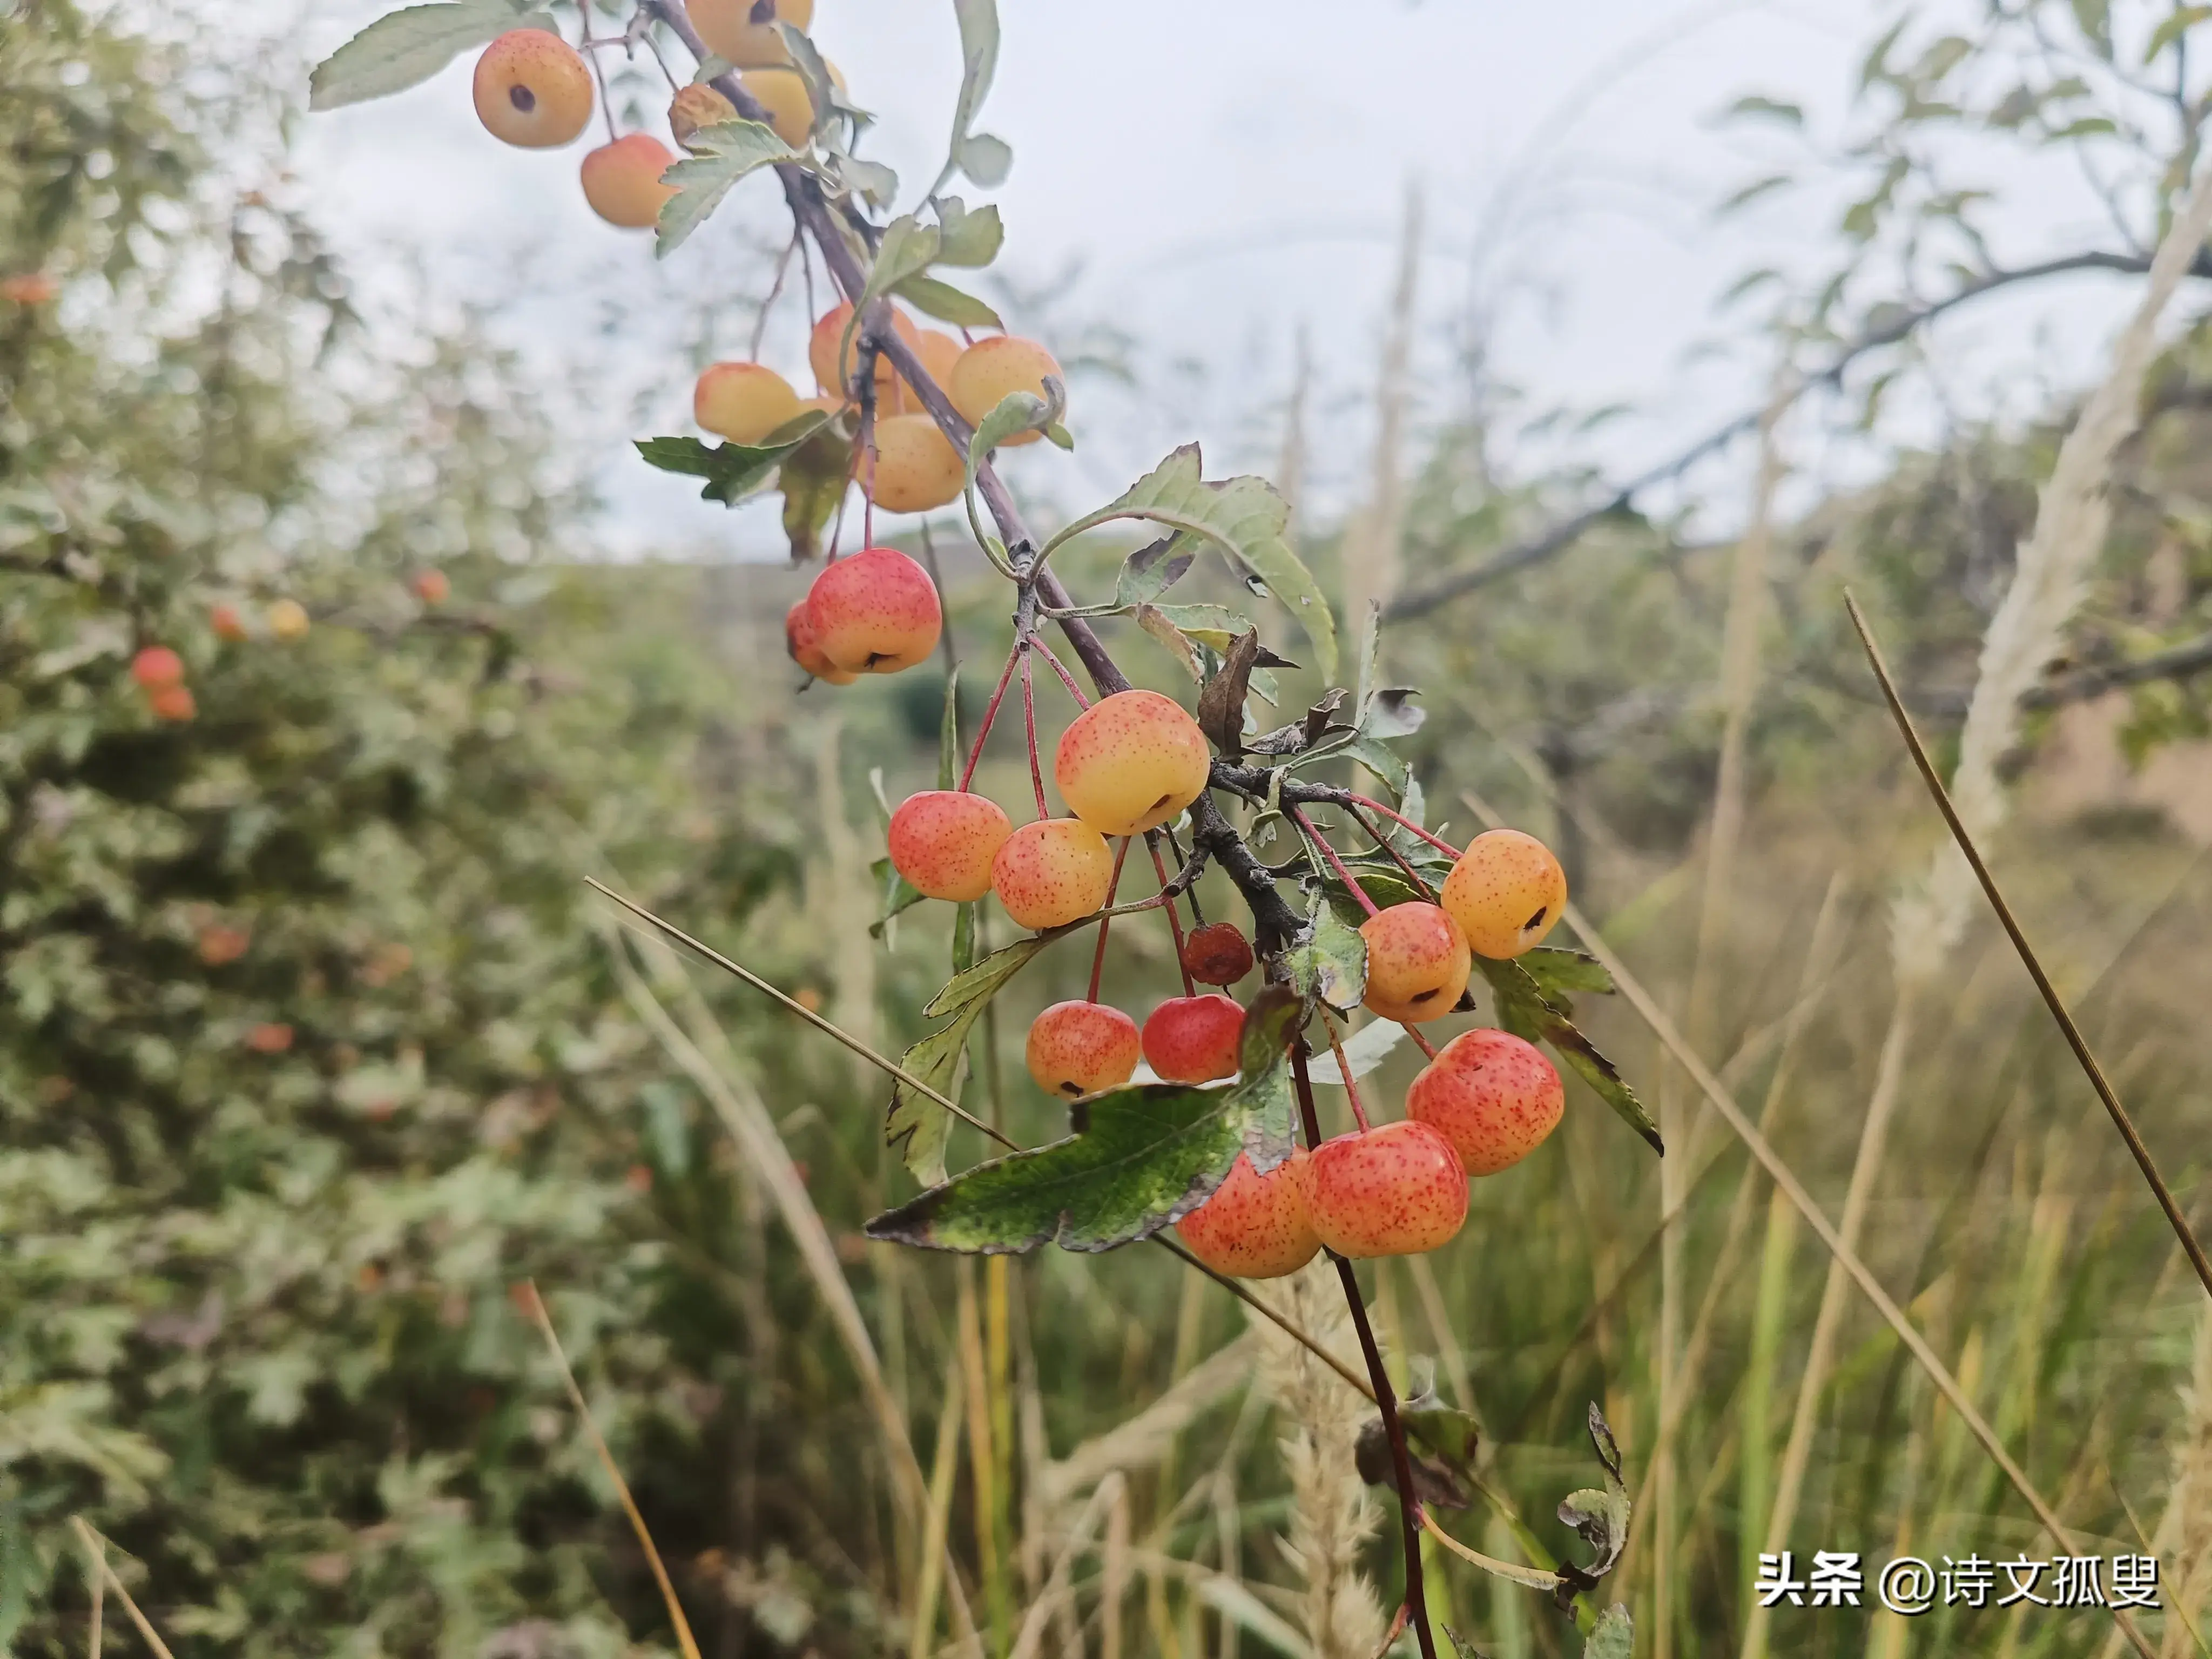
x=783 y=94
x=1077 y=1048
x=1492 y=1096
x=745 y=32
x=33 y=288
x=171 y=702
x=835 y=374
x=742 y=402
x=268 y=1038
x=1131 y=761
x=696 y=106
x=157 y=666
x=622 y=180
x=1195 y=1039
x=991 y=368
x=1417 y=962
x=1053 y=871
x=938 y=352
x=533 y=90
x=1254 y=1226
x=431 y=587
x=1505 y=892
x=1217 y=954
x=1396 y=1189
x=874 y=611
x=943 y=841
x=288 y=619
x=226 y=623
x=915 y=468
x=219 y=944
x=798 y=640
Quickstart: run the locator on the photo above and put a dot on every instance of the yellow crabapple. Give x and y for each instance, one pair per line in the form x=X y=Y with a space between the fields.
x=533 y=90
x=1396 y=1189
x=991 y=368
x=875 y=611
x=915 y=468
x=1131 y=761
x=622 y=180
x=782 y=92
x=696 y=106
x=1195 y=1039
x=1254 y=1226
x=1417 y=962
x=1077 y=1048
x=807 y=651
x=1053 y=871
x=744 y=31
x=742 y=402
x=288 y=619
x=1494 y=1096
x=942 y=842
x=821 y=350
x=938 y=351
x=1506 y=892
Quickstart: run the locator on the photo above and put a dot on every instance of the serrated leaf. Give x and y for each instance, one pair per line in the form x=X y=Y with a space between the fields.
x=917 y=1125
x=1524 y=1010
x=985 y=159
x=1330 y=963
x=979 y=62
x=1016 y=412
x=947 y=303
x=733 y=472
x=721 y=154
x=1139 y=1159
x=1151 y=570
x=1243 y=516
x=406 y=48
x=1612 y=1637
x=908 y=248
x=1365 y=1050
x=966 y=237
x=1560 y=974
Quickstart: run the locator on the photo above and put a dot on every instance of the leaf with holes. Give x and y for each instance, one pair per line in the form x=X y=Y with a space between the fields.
x=1524 y=1010
x=1599 y=1516
x=1560 y=974
x=721 y=155
x=1330 y=961
x=917 y=1125
x=406 y=48
x=1139 y=1159
x=733 y=472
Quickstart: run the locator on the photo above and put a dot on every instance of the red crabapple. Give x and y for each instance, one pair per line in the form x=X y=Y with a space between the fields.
x=1131 y=761
x=1217 y=954
x=1195 y=1039
x=875 y=611
x=226 y=623
x=1396 y=1189
x=533 y=90
x=1077 y=1048
x=157 y=666
x=173 y=702
x=798 y=640
x=1505 y=892
x=431 y=587
x=1417 y=962
x=1492 y=1094
x=1254 y=1226
x=1053 y=871
x=942 y=842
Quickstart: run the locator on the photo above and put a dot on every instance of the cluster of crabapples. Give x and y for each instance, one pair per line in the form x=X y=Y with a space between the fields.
x=1130 y=763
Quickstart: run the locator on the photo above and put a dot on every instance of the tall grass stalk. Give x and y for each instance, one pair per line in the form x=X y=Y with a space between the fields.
x=1372 y=547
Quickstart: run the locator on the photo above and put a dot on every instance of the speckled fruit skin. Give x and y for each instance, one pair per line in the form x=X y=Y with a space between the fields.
x=1217 y=954
x=1505 y=892
x=622 y=180
x=1052 y=872
x=532 y=90
x=822 y=350
x=1417 y=962
x=915 y=468
x=742 y=402
x=1495 y=1098
x=1396 y=1189
x=1131 y=761
x=875 y=612
x=798 y=640
x=943 y=841
x=728 y=28
x=157 y=666
x=1077 y=1048
x=1195 y=1039
x=696 y=106
x=991 y=368
x=1254 y=1226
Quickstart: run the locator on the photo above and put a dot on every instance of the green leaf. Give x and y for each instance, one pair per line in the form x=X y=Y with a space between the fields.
x=948 y=731
x=965 y=238
x=899 y=895
x=947 y=303
x=2171 y=27
x=1560 y=973
x=733 y=472
x=979 y=62
x=405 y=48
x=1151 y=570
x=908 y=248
x=1524 y=1010
x=813 y=477
x=721 y=155
x=986 y=160
x=1017 y=412
x=1752 y=107
x=1243 y=516
x=917 y=1125
x=1612 y=1637
x=1600 y=1516
x=1330 y=963
x=1139 y=1159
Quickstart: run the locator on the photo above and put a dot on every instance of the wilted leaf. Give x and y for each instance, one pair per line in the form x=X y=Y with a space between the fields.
x=917 y=1125
x=721 y=155
x=1440 y=1443
x=813 y=477
x=1221 y=703
x=1154 y=622
x=405 y=48
x=1600 y=1516
x=1524 y=1010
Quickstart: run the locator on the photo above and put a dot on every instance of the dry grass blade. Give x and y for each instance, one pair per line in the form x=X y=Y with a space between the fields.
x=1030 y=1638
x=944 y=1463
x=95 y=1560
x=536 y=1306
x=1145 y=1439
x=94 y=1548
x=1786 y=1179
x=1271 y=1315
x=2053 y=1000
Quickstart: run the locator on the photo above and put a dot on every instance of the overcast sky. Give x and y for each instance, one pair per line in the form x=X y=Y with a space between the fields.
x=1208 y=180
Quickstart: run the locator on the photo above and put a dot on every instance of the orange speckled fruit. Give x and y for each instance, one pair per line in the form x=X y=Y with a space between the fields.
x=1053 y=871
x=783 y=95
x=822 y=350
x=533 y=90
x=1131 y=761
x=1077 y=1048
x=1254 y=1226
x=1396 y=1189
x=622 y=180
x=915 y=468
x=942 y=842
x=742 y=402
x=798 y=640
x=1505 y=892
x=745 y=32
x=991 y=368
x=875 y=611
x=1492 y=1094
x=938 y=351
x=1417 y=962
x=1195 y=1039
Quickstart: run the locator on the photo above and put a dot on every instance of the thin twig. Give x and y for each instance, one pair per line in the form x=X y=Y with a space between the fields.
x=990 y=714
x=1316 y=837
x=1113 y=891
x=93 y=1546
x=1281 y=1323
x=1029 y=728
x=1403 y=822
x=95 y=1558
x=1390 y=847
x=2053 y=1000
x=1174 y=922
x=535 y=1306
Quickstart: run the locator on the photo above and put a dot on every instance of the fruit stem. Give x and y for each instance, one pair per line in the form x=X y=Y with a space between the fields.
x=990 y=714
x=1029 y=726
x=1386 y=1403
x=1314 y=836
x=1174 y=922
x=1420 y=1042
x=599 y=75
x=1344 y=1071
x=1060 y=669
x=1197 y=916
x=1099 y=956
x=1420 y=883
x=1403 y=822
